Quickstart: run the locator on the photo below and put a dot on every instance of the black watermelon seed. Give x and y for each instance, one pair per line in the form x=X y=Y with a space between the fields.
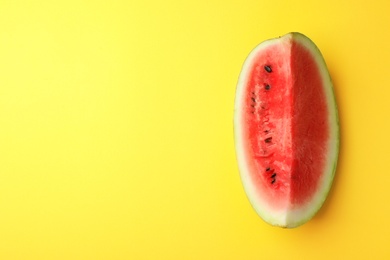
x=273 y=175
x=268 y=140
x=268 y=68
x=267 y=87
x=273 y=181
x=267 y=169
x=253 y=99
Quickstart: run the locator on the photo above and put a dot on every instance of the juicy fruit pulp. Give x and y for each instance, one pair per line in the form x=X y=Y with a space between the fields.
x=286 y=129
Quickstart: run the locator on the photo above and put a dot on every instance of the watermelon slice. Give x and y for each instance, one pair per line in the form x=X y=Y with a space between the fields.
x=286 y=130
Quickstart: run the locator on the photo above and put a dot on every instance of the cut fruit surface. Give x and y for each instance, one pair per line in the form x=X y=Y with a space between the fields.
x=286 y=129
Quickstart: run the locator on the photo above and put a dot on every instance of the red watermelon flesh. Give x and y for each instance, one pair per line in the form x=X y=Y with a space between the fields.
x=286 y=129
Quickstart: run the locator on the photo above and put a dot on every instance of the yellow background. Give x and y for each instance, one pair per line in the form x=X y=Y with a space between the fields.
x=116 y=129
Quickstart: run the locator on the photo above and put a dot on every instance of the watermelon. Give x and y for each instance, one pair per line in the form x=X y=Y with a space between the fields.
x=286 y=130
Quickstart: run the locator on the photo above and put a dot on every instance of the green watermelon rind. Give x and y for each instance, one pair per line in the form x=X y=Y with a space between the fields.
x=296 y=217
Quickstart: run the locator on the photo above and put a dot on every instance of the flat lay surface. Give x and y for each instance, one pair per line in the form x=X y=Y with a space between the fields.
x=116 y=137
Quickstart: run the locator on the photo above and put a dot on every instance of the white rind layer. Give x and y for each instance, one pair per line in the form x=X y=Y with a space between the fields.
x=292 y=216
